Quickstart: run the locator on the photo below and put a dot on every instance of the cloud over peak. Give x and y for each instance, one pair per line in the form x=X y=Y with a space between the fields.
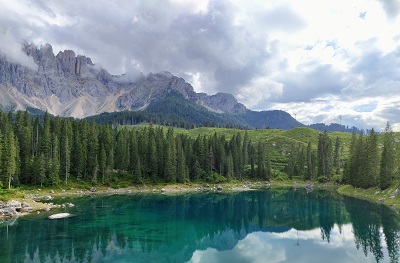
x=268 y=53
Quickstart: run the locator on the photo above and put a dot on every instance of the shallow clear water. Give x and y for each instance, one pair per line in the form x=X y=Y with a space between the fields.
x=256 y=226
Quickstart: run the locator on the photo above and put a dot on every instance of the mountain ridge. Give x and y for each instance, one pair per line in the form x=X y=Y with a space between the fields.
x=71 y=85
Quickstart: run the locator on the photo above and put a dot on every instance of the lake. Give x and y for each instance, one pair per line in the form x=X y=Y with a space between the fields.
x=253 y=226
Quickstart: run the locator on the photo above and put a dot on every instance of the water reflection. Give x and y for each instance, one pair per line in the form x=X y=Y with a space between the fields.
x=273 y=226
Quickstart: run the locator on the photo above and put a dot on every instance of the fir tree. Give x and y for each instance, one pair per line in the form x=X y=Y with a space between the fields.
x=388 y=159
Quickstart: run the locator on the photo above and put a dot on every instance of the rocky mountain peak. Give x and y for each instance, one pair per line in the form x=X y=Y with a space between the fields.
x=68 y=84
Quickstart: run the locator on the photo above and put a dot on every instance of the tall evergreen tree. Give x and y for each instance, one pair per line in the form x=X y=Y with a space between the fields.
x=370 y=173
x=310 y=164
x=324 y=156
x=23 y=132
x=65 y=149
x=337 y=156
x=92 y=153
x=53 y=163
x=350 y=170
x=9 y=156
x=388 y=159
x=170 y=157
x=291 y=162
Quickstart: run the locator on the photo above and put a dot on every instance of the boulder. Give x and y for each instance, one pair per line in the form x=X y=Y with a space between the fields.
x=395 y=193
x=47 y=197
x=26 y=209
x=9 y=211
x=14 y=204
x=25 y=204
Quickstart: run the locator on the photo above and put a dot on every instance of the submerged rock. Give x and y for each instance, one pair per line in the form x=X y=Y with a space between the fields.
x=60 y=215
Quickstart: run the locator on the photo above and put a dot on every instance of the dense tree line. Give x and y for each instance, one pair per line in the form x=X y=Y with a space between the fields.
x=369 y=163
x=49 y=152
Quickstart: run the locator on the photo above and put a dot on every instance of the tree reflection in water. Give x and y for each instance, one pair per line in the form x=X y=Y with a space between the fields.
x=157 y=228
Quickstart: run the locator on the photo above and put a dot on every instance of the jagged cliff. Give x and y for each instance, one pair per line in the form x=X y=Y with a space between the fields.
x=70 y=85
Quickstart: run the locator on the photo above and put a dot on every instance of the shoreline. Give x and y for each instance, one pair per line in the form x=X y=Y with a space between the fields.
x=41 y=199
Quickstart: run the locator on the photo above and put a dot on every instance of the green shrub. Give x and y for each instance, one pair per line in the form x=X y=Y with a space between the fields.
x=219 y=178
x=322 y=179
x=337 y=178
x=279 y=175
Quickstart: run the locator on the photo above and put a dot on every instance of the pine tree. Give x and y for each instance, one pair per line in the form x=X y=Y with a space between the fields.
x=252 y=158
x=9 y=156
x=121 y=150
x=388 y=159
x=170 y=157
x=92 y=153
x=65 y=149
x=78 y=160
x=261 y=161
x=336 y=157
x=310 y=168
x=325 y=156
x=152 y=156
x=137 y=176
x=229 y=168
x=102 y=162
x=181 y=163
x=291 y=162
x=54 y=162
x=370 y=174
x=23 y=133
x=45 y=142
x=350 y=170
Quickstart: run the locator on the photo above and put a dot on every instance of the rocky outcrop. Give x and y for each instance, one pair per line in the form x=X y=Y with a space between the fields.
x=71 y=85
x=13 y=208
x=222 y=103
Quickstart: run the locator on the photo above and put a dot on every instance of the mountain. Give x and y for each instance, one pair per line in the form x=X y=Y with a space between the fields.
x=71 y=85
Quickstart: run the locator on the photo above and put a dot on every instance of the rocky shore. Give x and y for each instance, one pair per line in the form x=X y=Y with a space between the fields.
x=38 y=200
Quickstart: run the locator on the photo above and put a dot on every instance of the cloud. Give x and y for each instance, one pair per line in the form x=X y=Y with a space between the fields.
x=289 y=246
x=392 y=7
x=11 y=49
x=268 y=53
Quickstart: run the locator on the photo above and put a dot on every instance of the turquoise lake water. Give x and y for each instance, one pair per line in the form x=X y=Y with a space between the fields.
x=254 y=226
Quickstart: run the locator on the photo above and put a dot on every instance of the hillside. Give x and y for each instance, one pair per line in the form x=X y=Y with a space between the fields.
x=277 y=141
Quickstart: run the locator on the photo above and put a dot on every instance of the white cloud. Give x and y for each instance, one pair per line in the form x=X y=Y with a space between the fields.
x=11 y=49
x=290 y=246
x=282 y=53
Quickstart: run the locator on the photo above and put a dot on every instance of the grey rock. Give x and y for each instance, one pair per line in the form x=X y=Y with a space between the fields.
x=47 y=197
x=10 y=211
x=14 y=204
x=25 y=204
x=26 y=209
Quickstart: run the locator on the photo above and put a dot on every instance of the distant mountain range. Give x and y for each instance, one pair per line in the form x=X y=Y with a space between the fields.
x=70 y=85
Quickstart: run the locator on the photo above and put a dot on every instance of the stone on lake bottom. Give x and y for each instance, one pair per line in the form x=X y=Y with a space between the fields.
x=59 y=216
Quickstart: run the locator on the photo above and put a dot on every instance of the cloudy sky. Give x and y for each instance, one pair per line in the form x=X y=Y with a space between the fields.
x=317 y=60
